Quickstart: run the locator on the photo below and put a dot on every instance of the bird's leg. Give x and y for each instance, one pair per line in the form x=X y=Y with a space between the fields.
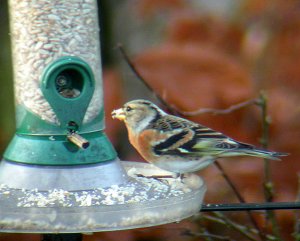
x=155 y=176
x=179 y=177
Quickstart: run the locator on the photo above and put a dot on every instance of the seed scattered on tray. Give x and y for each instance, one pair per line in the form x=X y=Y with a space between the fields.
x=135 y=191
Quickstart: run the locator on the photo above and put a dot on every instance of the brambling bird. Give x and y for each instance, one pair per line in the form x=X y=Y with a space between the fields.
x=176 y=144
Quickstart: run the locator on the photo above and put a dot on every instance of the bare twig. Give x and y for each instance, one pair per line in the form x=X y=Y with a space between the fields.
x=205 y=231
x=140 y=77
x=219 y=111
x=206 y=235
x=296 y=233
x=268 y=184
x=240 y=198
x=222 y=219
x=229 y=181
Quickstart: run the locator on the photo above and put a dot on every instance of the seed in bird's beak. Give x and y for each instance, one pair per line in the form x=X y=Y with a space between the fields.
x=119 y=114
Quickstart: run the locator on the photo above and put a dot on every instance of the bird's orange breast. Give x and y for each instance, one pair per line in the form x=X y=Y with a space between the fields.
x=144 y=142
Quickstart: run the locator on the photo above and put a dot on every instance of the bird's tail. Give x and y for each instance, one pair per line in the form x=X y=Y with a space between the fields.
x=249 y=150
x=272 y=155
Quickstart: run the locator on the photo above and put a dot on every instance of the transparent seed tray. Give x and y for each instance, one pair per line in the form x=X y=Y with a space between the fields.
x=137 y=202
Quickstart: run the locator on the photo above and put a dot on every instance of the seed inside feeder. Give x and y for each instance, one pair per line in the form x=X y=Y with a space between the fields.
x=69 y=84
x=59 y=28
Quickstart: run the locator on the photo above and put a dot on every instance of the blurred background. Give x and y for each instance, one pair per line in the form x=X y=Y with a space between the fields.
x=198 y=54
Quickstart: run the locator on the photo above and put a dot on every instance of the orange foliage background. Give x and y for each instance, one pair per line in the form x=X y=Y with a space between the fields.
x=206 y=61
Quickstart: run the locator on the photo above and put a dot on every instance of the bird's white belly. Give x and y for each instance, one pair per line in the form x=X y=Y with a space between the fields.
x=183 y=166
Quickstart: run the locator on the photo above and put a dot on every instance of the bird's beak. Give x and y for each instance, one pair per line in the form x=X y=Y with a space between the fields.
x=119 y=114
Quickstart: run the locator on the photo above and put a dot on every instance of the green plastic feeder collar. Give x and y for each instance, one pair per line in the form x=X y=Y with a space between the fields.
x=68 y=86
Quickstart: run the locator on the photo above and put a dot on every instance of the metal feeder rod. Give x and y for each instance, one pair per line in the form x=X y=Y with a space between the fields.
x=62 y=237
x=250 y=206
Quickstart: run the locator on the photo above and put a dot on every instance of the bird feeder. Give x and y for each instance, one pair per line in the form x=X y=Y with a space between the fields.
x=60 y=173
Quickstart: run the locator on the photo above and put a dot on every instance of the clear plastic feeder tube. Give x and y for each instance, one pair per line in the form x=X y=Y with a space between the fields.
x=42 y=32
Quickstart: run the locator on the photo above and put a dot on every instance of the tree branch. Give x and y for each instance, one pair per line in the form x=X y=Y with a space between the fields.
x=296 y=233
x=268 y=184
x=219 y=111
x=222 y=219
x=205 y=235
x=140 y=77
x=240 y=198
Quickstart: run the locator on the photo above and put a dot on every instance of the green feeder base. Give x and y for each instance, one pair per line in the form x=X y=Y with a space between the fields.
x=57 y=150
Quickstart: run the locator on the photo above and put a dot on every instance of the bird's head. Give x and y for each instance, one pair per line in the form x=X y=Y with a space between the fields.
x=137 y=113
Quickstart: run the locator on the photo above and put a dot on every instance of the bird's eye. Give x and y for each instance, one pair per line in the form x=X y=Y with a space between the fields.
x=128 y=108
